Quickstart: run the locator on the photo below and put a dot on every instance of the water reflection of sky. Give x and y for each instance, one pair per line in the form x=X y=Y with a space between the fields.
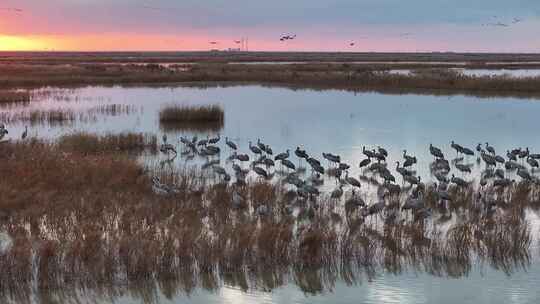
x=340 y=122
x=488 y=286
x=328 y=121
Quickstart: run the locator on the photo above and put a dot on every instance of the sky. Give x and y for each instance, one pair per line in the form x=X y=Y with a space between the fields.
x=319 y=25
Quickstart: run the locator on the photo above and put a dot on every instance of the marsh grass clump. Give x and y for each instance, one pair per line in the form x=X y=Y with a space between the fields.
x=81 y=210
x=12 y=96
x=113 y=109
x=191 y=114
x=39 y=117
x=192 y=126
x=123 y=142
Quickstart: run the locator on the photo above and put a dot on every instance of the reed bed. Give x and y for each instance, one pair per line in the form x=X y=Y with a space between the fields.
x=114 y=110
x=11 y=96
x=192 y=126
x=39 y=117
x=66 y=116
x=81 y=220
x=344 y=76
x=196 y=114
x=92 y=144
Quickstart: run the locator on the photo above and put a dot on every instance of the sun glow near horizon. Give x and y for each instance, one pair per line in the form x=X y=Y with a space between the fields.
x=20 y=43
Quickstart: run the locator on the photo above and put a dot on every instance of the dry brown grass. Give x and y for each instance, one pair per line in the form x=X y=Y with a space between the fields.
x=88 y=221
x=37 y=117
x=213 y=126
x=91 y=144
x=345 y=76
x=191 y=114
x=65 y=116
x=114 y=110
x=10 y=96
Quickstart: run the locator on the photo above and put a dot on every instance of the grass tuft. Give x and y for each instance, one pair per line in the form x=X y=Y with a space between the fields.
x=195 y=114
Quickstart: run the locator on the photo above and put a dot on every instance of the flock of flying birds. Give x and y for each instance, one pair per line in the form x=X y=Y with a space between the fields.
x=495 y=23
x=264 y=164
x=502 y=24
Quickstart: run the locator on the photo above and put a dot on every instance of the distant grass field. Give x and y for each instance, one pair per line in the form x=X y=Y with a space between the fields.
x=345 y=71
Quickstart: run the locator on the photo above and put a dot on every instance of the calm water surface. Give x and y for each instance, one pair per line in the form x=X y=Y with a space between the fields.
x=327 y=121
x=342 y=123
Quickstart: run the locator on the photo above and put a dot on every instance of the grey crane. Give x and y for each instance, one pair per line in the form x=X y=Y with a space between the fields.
x=413 y=203
x=467 y=151
x=524 y=174
x=344 y=166
x=458 y=181
x=408 y=158
x=435 y=151
x=268 y=162
x=511 y=156
x=463 y=168
x=377 y=208
x=337 y=193
x=532 y=162
x=379 y=156
x=402 y=171
x=488 y=159
x=479 y=148
x=25 y=133
x=332 y=158
x=382 y=151
x=413 y=180
x=351 y=180
x=268 y=150
x=408 y=162
x=213 y=149
x=442 y=195
x=524 y=153
x=167 y=148
x=254 y=149
x=231 y=144
x=214 y=140
x=502 y=183
x=368 y=153
x=313 y=161
x=534 y=156
x=287 y=163
x=364 y=163
x=354 y=201
x=318 y=168
x=310 y=189
x=203 y=142
x=242 y=157
x=499 y=173
x=282 y=156
x=260 y=172
x=457 y=147
x=261 y=145
x=3 y=131
x=490 y=149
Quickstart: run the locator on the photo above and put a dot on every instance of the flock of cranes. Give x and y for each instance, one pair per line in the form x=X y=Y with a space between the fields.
x=292 y=168
x=305 y=173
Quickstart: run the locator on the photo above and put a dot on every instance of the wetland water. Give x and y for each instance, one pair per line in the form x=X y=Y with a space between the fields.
x=318 y=121
x=341 y=123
